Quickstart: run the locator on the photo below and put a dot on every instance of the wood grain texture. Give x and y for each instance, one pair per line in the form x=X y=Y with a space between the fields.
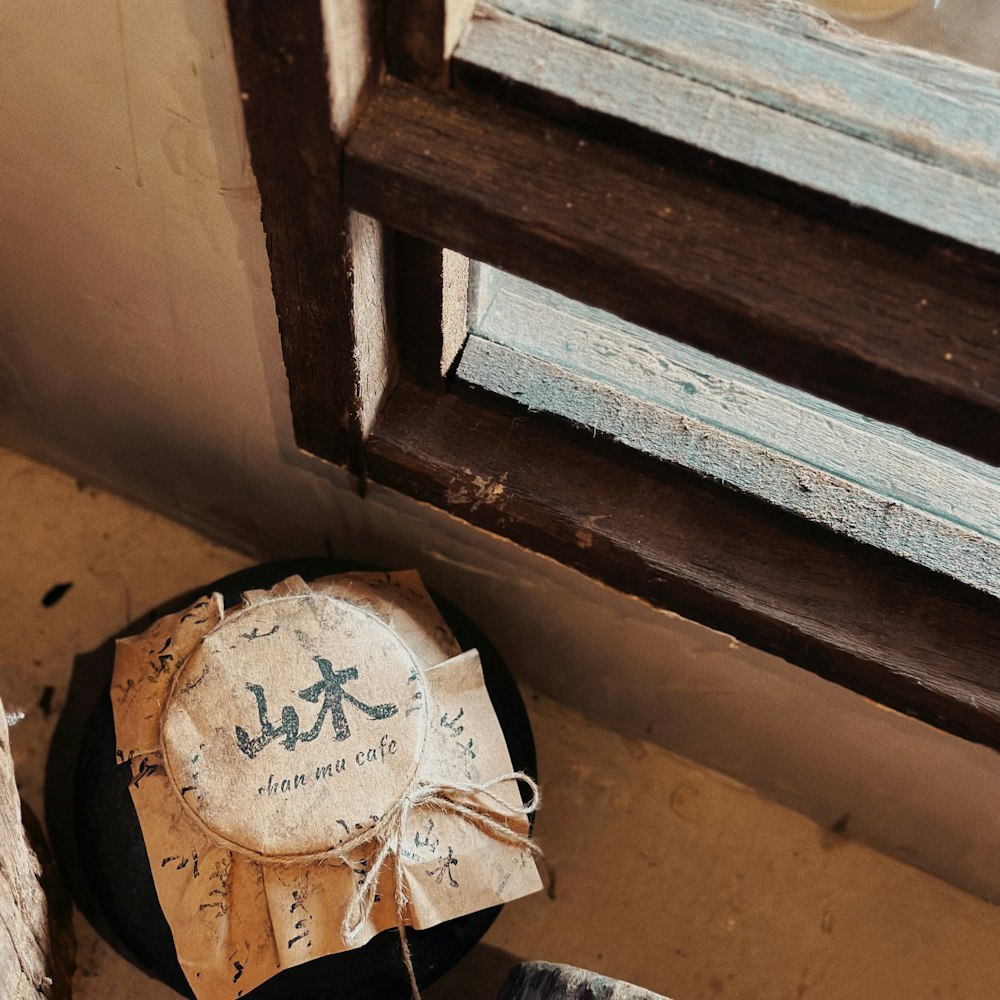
x=432 y=294
x=576 y=79
x=354 y=35
x=28 y=968
x=796 y=59
x=325 y=261
x=904 y=636
x=871 y=482
x=421 y=35
x=546 y=981
x=374 y=351
x=904 y=334
x=431 y=283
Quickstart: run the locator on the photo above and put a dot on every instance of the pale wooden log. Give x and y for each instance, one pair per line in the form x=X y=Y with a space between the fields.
x=26 y=962
x=546 y=981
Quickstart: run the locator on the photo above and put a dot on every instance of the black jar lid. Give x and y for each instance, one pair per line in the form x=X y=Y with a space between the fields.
x=103 y=854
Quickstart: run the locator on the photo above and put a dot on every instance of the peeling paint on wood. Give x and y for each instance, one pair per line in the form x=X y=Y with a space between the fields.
x=868 y=481
x=795 y=58
x=938 y=173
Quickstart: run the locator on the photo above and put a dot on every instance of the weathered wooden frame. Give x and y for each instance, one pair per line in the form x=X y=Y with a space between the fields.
x=331 y=267
x=872 y=300
x=893 y=324
x=868 y=481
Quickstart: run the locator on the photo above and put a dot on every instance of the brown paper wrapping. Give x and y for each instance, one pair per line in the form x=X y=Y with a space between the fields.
x=264 y=739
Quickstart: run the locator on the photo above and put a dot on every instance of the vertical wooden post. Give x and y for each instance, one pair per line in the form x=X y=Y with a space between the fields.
x=421 y=36
x=432 y=283
x=305 y=69
x=30 y=966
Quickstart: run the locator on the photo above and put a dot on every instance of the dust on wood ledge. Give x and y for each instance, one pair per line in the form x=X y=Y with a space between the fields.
x=908 y=638
x=904 y=333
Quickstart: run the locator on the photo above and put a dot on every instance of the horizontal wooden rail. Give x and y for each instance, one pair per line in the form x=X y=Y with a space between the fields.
x=866 y=480
x=907 y=334
x=912 y=639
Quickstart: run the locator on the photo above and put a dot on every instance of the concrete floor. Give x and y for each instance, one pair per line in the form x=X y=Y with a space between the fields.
x=661 y=872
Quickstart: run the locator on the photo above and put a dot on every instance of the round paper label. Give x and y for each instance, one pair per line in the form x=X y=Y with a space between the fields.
x=294 y=725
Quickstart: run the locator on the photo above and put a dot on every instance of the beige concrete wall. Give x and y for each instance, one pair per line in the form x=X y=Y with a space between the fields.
x=139 y=348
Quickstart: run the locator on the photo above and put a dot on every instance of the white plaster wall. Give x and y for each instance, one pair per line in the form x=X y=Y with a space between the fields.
x=139 y=348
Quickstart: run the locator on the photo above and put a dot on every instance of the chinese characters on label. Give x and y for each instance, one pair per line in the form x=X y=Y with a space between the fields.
x=328 y=692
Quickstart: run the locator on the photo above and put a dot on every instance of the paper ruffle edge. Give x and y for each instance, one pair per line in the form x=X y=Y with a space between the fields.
x=236 y=921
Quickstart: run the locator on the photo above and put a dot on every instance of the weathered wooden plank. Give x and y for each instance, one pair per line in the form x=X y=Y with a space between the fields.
x=432 y=296
x=326 y=261
x=907 y=637
x=28 y=967
x=533 y=66
x=903 y=333
x=546 y=981
x=431 y=283
x=869 y=481
x=421 y=35
x=795 y=58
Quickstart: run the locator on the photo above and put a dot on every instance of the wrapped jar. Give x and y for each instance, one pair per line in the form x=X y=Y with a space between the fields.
x=318 y=789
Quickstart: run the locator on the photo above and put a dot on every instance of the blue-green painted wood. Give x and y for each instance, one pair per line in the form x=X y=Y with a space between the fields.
x=869 y=481
x=776 y=85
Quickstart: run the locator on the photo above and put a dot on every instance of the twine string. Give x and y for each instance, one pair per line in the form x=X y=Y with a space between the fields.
x=388 y=833
x=485 y=811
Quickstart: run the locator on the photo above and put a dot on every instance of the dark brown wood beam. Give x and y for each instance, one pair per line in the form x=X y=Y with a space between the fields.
x=431 y=283
x=907 y=334
x=298 y=106
x=431 y=294
x=907 y=637
x=420 y=36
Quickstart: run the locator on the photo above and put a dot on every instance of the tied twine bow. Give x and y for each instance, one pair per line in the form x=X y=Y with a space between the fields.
x=388 y=834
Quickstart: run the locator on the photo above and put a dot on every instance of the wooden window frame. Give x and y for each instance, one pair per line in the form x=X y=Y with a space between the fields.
x=880 y=306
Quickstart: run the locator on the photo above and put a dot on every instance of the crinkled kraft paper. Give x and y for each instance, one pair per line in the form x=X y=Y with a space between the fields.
x=262 y=738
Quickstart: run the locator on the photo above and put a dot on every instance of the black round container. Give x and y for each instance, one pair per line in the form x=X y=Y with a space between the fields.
x=107 y=860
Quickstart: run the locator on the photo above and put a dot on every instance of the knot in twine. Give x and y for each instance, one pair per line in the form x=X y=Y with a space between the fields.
x=388 y=834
